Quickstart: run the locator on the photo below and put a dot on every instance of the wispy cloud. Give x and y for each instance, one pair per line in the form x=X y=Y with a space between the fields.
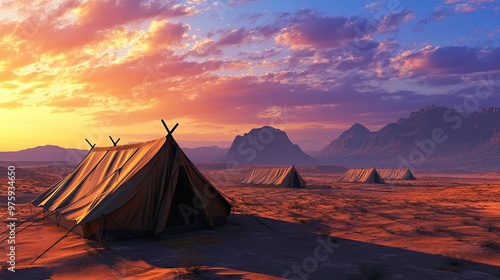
x=137 y=61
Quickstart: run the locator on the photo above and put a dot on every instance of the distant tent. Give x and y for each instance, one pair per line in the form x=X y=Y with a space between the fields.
x=282 y=177
x=140 y=189
x=396 y=174
x=369 y=175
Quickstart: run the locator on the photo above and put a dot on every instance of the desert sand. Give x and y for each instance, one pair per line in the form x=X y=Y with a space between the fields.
x=445 y=225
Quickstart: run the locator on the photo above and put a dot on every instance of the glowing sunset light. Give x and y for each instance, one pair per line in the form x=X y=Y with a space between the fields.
x=71 y=70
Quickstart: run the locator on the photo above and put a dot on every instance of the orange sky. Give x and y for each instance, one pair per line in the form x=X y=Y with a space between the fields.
x=72 y=70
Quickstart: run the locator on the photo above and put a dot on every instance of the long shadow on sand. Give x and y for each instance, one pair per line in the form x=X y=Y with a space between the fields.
x=294 y=251
x=288 y=250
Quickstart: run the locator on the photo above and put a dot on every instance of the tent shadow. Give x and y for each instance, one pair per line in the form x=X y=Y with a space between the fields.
x=27 y=273
x=290 y=250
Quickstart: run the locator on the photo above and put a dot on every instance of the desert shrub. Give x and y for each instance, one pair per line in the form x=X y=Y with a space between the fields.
x=451 y=264
x=295 y=205
x=103 y=240
x=189 y=262
x=325 y=231
x=491 y=244
x=306 y=220
x=468 y=222
x=490 y=227
x=390 y=231
x=363 y=210
x=251 y=202
x=439 y=228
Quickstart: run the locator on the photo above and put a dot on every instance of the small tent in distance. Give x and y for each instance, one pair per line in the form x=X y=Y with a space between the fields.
x=396 y=174
x=134 y=190
x=368 y=175
x=282 y=177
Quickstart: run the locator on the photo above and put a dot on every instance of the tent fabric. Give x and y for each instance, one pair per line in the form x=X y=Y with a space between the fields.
x=284 y=177
x=369 y=175
x=133 y=188
x=396 y=174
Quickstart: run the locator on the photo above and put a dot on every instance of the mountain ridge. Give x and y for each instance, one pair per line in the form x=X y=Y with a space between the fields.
x=53 y=153
x=45 y=153
x=430 y=137
x=433 y=137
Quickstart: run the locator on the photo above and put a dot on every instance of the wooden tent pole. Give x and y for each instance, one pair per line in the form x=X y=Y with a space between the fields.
x=113 y=141
x=169 y=132
x=175 y=126
x=91 y=146
x=166 y=127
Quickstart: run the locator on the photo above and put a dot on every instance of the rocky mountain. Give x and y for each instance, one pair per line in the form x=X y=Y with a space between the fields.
x=349 y=141
x=265 y=145
x=432 y=137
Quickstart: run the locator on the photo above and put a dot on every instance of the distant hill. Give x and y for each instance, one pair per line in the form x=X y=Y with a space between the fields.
x=48 y=153
x=432 y=137
x=205 y=154
x=265 y=145
x=349 y=141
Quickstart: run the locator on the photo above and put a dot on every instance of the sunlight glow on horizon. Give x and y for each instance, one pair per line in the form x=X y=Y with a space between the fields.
x=221 y=68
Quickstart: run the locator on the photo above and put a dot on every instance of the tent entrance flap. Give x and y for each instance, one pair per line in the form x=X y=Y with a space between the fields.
x=182 y=209
x=296 y=182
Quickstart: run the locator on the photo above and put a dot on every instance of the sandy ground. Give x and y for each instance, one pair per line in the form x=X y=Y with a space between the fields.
x=441 y=226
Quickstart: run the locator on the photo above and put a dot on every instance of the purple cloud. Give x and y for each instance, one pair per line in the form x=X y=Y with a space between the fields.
x=448 y=60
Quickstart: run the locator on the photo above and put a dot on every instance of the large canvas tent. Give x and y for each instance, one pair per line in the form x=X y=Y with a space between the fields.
x=282 y=177
x=368 y=175
x=140 y=189
x=396 y=174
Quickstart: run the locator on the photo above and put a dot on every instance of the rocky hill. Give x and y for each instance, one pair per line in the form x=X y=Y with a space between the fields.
x=265 y=145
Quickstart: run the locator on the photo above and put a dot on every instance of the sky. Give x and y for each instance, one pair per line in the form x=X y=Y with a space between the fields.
x=71 y=70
